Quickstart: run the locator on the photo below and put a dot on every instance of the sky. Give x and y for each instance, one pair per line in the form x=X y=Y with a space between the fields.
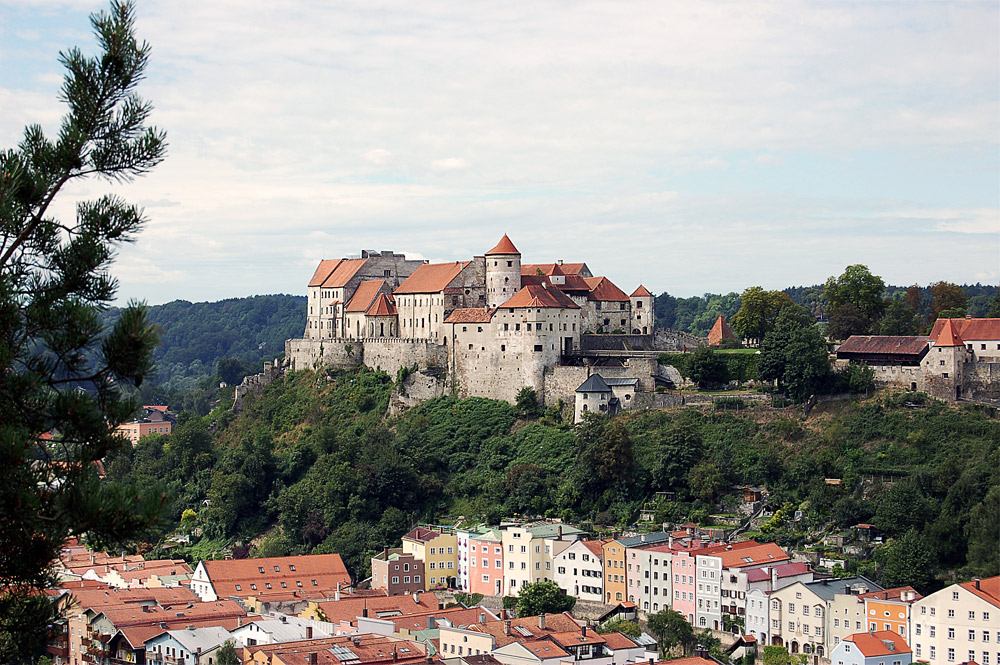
x=689 y=146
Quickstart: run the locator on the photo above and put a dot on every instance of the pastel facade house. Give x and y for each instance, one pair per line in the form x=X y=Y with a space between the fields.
x=312 y=575
x=579 y=570
x=757 y=621
x=397 y=573
x=151 y=420
x=486 y=563
x=959 y=623
x=890 y=609
x=799 y=612
x=437 y=547
x=188 y=646
x=882 y=647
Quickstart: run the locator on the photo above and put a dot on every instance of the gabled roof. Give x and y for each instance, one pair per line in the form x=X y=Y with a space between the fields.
x=470 y=315
x=326 y=569
x=752 y=556
x=720 y=331
x=621 y=381
x=364 y=295
x=431 y=277
x=616 y=641
x=343 y=273
x=348 y=609
x=910 y=345
x=384 y=305
x=641 y=292
x=828 y=588
x=422 y=535
x=505 y=246
x=896 y=593
x=949 y=335
x=989 y=589
x=536 y=296
x=596 y=547
x=971 y=330
x=879 y=643
x=603 y=289
x=594 y=384
x=549 y=268
x=324 y=270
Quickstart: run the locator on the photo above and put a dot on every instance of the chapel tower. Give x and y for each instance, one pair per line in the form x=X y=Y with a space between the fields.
x=503 y=273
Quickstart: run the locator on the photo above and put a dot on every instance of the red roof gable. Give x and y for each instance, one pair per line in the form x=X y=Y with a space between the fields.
x=470 y=315
x=505 y=246
x=989 y=589
x=878 y=643
x=323 y=270
x=949 y=335
x=343 y=273
x=602 y=288
x=298 y=572
x=719 y=332
x=364 y=295
x=384 y=305
x=431 y=277
x=970 y=329
x=641 y=292
x=535 y=295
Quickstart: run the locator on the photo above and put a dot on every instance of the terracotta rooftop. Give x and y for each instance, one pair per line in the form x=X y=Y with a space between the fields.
x=719 y=332
x=948 y=336
x=298 y=572
x=529 y=628
x=641 y=292
x=422 y=535
x=615 y=641
x=970 y=329
x=603 y=289
x=539 y=297
x=431 y=277
x=879 y=643
x=892 y=594
x=349 y=609
x=596 y=547
x=548 y=268
x=343 y=273
x=333 y=650
x=134 y=615
x=738 y=557
x=104 y=597
x=505 y=246
x=910 y=345
x=384 y=305
x=324 y=270
x=471 y=315
x=988 y=590
x=365 y=295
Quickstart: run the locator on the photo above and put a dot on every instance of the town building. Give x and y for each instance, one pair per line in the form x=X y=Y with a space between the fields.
x=397 y=573
x=485 y=561
x=313 y=575
x=579 y=569
x=959 y=623
x=150 y=420
x=880 y=647
x=437 y=548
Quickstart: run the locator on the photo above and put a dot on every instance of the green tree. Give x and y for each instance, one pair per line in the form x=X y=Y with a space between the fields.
x=231 y=370
x=846 y=320
x=671 y=630
x=775 y=655
x=908 y=561
x=758 y=312
x=706 y=368
x=619 y=625
x=994 y=312
x=62 y=372
x=794 y=354
x=227 y=654
x=527 y=403
x=914 y=299
x=859 y=287
x=984 y=539
x=188 y=519
x=543 y=598
x=899 y=319
x=946 y=297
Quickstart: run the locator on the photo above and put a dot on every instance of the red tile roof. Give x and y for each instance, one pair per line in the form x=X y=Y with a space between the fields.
x=616 y=641
x=327 y=569
x=323 y=270
x=602 y=288
x=471 y=315
x=364 y=649
x=550 y=268
x=910 y=345
x=505 y=246
x=538 y=296
x=641 y=292
x=596 y=547
x=949 y=335
x=364 y=295
x=384 y=305
x=719 y=332
x=99 y=598
x=878 y=643
x=348 y=609
x=554 y=623
x=431 y=277
x=970 y=329
x=343 y=273
x=422 y=535
x=133 y=615
x=989 y=589
x=892 y=594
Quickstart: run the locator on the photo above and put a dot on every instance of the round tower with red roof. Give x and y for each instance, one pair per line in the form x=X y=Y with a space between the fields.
x=503 y=272
x=643 y=319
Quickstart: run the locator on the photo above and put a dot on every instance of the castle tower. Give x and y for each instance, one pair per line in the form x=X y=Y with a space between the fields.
x=503 y=272
x=643 y=318
x=944 y=364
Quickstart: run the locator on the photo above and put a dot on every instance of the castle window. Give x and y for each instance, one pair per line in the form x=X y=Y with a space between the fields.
x=510 y=264
x=529 y=326
x=464 y=329
x=506 y=326
x=495 y=263
x=470 y=347
x=517 y=326
x=946 y=375
x=479 y=329
x=503 y=347
x=538 y=347
x=506 y=279
x=942 y=362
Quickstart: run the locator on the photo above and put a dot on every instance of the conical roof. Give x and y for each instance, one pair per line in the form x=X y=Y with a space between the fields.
x=641 y=292
x=949 y=336
x=505 y=246
x=719 y=332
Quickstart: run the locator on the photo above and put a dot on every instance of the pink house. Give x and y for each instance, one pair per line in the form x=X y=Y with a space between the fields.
x=683 y=568
x=486 y=563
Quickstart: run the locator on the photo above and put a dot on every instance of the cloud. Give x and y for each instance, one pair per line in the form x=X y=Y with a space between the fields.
x=379 y=156
x=450 y=164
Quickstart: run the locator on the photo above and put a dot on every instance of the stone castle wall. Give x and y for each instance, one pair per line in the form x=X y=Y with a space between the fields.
x=389 y=354
x=675 y=341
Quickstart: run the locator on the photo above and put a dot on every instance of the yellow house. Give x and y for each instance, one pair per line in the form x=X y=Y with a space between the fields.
x=437 y=547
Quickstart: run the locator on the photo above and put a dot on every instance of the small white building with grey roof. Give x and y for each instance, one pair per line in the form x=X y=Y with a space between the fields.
x=604 y=396
x=189 y=646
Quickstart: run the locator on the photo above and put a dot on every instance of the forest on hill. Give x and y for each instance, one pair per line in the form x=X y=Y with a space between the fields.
x=313 y=465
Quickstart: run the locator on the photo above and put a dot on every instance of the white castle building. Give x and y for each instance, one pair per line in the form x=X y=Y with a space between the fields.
x=486 y=327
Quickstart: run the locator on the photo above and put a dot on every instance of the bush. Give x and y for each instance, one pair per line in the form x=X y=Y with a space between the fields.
x=729 y=403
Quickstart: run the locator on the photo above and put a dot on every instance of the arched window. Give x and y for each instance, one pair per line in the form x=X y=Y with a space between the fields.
x=702 y=621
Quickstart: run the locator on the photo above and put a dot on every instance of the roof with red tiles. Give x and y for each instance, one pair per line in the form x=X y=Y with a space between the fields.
x=988 y=589
x=538 y=296
x=364 y=295
x=343 y=273
x=505 y=246
x=595 y=546
x=431 y=277
x=545 y=649
x=766 y=553
x=641 y=292
x=471 y=315
x=134 y=615
x=970 y=329
x=324 y=270
x=949 y=335
x=895 y=593
x=98 y=598
x=298 y=571
x=530 y=629
x=616 y=641
x=603 y=289
x=349 y=609
x=911 y=345
x=359 y=649
x=422 y=535
x=719 y=332
x=547 y=268
x=457 y=616
x=384 y=305
x=879 y=643
x=573 y=637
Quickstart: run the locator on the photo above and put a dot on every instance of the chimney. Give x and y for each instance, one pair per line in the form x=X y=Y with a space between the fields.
x=416 y=597
x=312 y=658
x=309 y=632
x=541 y=621
x=91 y=558
x=642 y=537
x=506 y=627
x=482 y=617
x=560 y=261
x=430 y=622
x=336 y=595
x=123 y=556
x=395 y=656
x=197 y=654
x=284 y=619
x=239 y=621
x=670 y=541
x=364 y=611
x=584 y=629
x=977 y=584
x=701 y=652
x=560 y=532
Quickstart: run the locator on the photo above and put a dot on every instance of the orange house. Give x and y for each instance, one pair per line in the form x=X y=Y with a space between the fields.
x=614 y=571
x=890 y=609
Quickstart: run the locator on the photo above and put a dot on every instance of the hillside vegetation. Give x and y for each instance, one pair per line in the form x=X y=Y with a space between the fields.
x=313 y=464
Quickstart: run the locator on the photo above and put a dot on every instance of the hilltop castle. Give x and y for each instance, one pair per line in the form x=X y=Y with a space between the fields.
x=486 y=327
